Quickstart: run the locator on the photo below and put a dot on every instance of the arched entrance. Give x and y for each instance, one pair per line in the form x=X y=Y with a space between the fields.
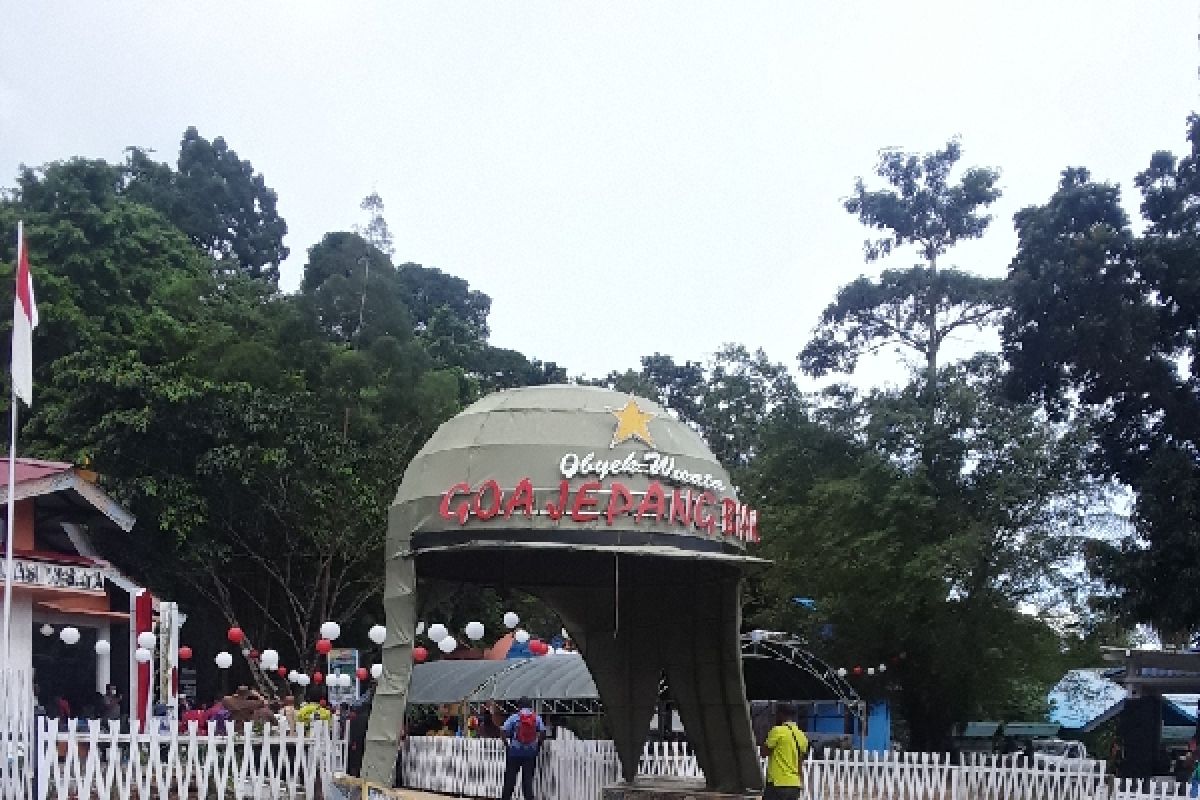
x=619 y=518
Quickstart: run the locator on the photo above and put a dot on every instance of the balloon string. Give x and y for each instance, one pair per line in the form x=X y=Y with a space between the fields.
x=617 y=596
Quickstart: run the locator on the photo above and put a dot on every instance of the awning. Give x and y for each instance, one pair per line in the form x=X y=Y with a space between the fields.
x=557 y=677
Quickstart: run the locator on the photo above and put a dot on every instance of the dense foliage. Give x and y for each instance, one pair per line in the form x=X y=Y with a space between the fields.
x=258 y=435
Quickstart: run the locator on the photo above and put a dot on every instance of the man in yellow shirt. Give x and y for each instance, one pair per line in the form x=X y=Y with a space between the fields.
x=785 y=749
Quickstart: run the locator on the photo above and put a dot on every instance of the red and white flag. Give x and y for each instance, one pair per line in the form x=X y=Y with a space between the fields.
x=25 y=319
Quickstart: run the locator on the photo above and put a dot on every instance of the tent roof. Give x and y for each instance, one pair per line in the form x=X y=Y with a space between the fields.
x=558 y=677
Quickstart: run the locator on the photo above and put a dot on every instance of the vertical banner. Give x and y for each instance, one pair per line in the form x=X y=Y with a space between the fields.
x=343 y=660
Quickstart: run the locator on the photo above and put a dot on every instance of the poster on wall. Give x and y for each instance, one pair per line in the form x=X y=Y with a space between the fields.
x=343 y=660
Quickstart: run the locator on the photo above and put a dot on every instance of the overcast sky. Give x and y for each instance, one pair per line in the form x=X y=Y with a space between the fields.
x=621 y=178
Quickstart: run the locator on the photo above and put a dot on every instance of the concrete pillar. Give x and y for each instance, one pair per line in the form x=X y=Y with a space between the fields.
x=103 y=661
x=22 y=629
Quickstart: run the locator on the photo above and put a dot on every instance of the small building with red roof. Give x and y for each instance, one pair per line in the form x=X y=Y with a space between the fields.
x=61 y=581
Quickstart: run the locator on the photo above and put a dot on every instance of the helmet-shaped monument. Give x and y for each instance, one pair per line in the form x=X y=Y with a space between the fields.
x=616 y=515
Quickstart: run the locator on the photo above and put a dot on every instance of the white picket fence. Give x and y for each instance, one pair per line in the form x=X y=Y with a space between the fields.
x=16 y=734
x=241 y=765
x=578 y=770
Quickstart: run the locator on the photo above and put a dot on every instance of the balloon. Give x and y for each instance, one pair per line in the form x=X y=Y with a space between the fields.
x=870 y=670
x=69 y=635
x=330 y=630
x=47 y=629
x=347 y=680
x=378 y=634
x=142 y=655
x=304 y=680
x=420 y=628
x=103 y=648
x=324 y=646
x=185 y=653
x=437 y=632
x=521 y=635
x=511 y=620
x=293 y=676
x=282 y=672
x=223 y=660
x=882 y=667
x=377 y=671
x=841 y=672
x=538 y=647
x=474 y=631
x=235 y=635
x=269 y=659
x=362 y=673
x=317 y=677
x=420 y=654
x=448 y=645
x=146 y=640
x=858 y=670
x=252 y=655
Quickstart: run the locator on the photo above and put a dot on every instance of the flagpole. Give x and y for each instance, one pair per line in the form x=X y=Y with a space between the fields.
x=12 y=480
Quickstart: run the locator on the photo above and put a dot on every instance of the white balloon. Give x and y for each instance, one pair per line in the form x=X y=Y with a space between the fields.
x=47 y=629
x=841 y=672
x=69 y=635
x=330 y=630
x=377 y=671
x=304 y=680
x=292 y=676
x=347 y=681
x=142 y=655
x=223 y=660
x=521 y=635
x=883 y=667
x=269 y=659
x=420 y=628
x=565 y=635
x=447 y=644
x=474 y=631
x=511 y=620
x=146 y=640
x=103 y=648
x=870 y=670
x=437 y=632
x=378 y=634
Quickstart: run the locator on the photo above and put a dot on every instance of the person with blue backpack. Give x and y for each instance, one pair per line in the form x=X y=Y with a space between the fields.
x=523 y=734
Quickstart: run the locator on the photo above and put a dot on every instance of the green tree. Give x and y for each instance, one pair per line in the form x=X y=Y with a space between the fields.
x=218 y=200
x=1105 y=321
x=922 y=306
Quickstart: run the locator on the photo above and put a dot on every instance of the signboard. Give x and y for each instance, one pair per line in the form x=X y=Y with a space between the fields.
x=56 y=576
x=676 y=497
x=345 y=661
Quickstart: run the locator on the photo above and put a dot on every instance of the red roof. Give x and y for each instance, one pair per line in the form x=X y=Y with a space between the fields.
x=31 y=469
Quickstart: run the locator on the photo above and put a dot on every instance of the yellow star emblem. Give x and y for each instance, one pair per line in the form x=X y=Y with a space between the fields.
x=632 y=423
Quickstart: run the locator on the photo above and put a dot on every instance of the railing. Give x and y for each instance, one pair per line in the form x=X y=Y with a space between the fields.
x=578 y=770
x=269 y=763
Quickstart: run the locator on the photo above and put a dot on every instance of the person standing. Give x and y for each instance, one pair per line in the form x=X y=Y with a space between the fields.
x=523 y=734
x=785 y=748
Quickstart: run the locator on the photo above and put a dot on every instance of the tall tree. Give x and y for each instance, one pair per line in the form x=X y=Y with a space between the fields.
x=918 y=307
x=1109 y=322
x=217 y=199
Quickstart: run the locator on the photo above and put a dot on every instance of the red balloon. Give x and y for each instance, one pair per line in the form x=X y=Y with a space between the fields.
x=235 y=635
x=362 y=673
x=317 y=677
x=535 y=646
x=858 y=670
x=420 y=654
x=282 y=671
x=185 y=653
x=324 y=646
x=253 y=655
